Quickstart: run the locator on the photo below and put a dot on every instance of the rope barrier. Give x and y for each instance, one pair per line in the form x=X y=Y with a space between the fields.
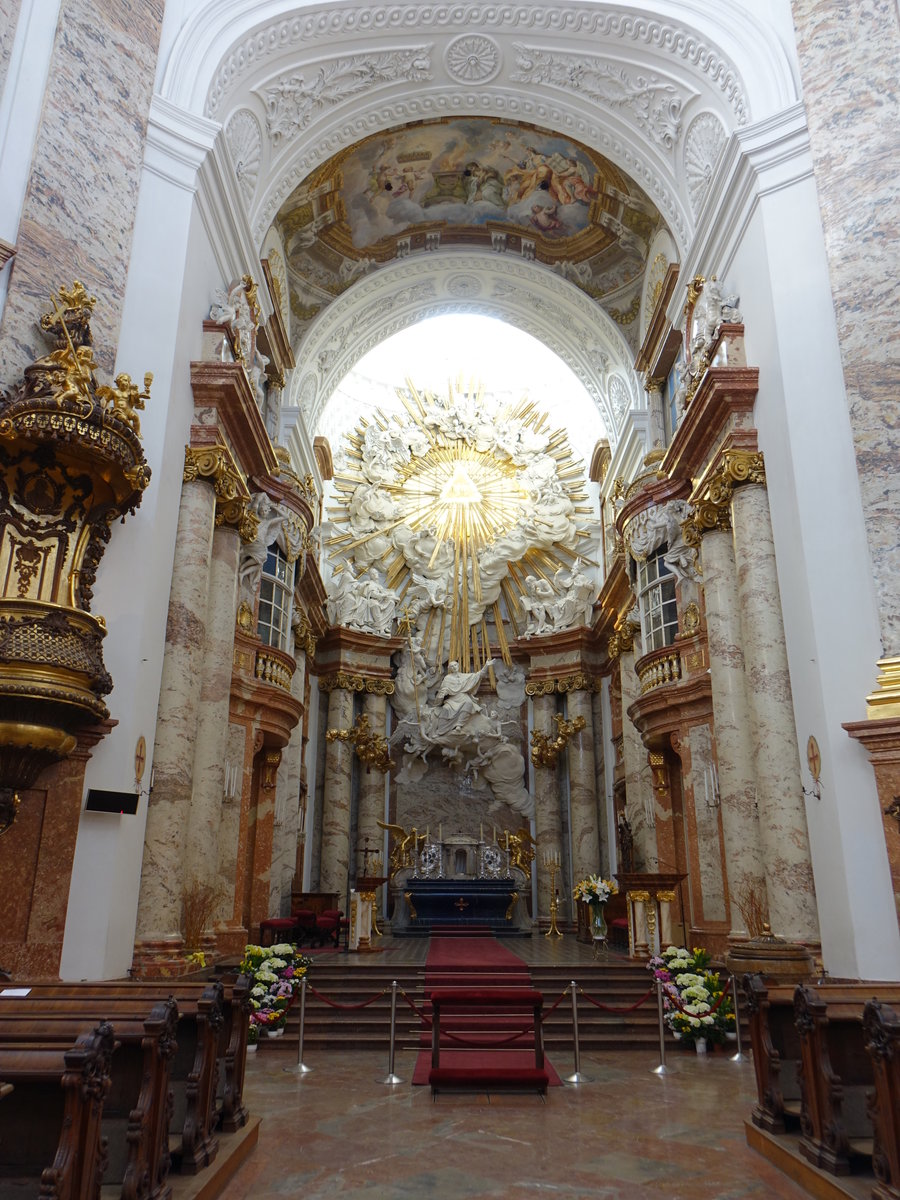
x=445 y=1033
x=347 y=1007
x=614 y=1009
x=555 y=1005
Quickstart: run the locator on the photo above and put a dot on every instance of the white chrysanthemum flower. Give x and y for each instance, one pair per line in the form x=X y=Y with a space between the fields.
x=689 y=979
x=283 y=950
x=695 y=993
x=258 y=990
x=266 y=976
x=274 y=964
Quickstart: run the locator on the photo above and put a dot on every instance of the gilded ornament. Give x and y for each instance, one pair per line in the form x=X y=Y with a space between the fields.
x=694 y=288
x=579 y=682
x=271 y=761
x=245 y=617
x=371 y=748
x=690 y=621
x=356 y=683
x=215 y=464
x=546 y=749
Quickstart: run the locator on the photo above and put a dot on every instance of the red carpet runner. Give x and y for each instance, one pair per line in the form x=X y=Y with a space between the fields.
x=476 y=962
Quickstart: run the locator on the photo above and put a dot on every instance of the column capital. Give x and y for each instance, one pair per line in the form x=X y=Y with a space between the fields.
x=341 y=680
x=216 y=465
x=580 y=681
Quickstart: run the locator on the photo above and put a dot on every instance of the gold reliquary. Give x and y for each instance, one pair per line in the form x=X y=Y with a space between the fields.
x=71 y=464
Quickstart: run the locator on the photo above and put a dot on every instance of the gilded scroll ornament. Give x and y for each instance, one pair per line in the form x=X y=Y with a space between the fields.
x=215 y=464
x=579 y=682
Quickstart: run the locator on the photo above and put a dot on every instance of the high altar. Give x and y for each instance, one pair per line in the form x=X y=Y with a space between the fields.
x=461 y=882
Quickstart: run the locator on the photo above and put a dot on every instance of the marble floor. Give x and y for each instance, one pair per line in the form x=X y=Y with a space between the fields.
x=627 y=1134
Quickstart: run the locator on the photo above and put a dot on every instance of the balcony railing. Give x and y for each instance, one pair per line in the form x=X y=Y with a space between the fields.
x=272 y=666
x=657 y=668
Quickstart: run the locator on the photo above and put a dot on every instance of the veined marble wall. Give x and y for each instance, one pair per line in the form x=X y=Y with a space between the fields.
x=848 y=66
x=9 y=16
x=79 y=210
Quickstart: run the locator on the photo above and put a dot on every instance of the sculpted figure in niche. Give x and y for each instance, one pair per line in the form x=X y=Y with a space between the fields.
x=538 y=597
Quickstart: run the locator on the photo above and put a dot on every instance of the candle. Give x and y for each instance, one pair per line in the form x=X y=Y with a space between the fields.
x=481 y=833
x=495 y=833
x=706 y=785
x=440 y=831
x=426 y=835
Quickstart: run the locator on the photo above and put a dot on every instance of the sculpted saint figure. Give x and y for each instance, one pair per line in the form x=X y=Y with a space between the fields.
x=459 y=710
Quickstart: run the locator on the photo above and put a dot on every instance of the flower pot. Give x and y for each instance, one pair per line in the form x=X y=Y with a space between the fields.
x=700 y=1045
x=252 y=1047
x=275 y=1033
x=730 y=1035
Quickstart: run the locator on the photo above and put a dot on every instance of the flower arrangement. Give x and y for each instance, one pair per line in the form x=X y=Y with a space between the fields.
x=595 y=890
x=276 y=973
x=703 y=1012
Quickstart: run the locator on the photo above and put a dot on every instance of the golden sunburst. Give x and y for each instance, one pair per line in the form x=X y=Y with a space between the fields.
x=437 y=496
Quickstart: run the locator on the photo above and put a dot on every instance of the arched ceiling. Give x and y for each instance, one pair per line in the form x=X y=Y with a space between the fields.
x=469 y=182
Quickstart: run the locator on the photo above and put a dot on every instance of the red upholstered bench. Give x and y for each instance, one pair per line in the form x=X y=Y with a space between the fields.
x=276 y=929
x=329 y=925
x=468 y=1000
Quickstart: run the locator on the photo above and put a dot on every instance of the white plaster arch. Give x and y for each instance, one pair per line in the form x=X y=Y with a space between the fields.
x=526 y=294
x=733 y=61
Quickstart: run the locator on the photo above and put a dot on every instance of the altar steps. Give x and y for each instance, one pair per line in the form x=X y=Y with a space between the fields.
x=619 y=984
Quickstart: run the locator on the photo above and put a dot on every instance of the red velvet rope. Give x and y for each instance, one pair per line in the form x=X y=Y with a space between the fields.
x=676 y=1003
x=556 y=1003
x=611 y=1008
x=346 y=1007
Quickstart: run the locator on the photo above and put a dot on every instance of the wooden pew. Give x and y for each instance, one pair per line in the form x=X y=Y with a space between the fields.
x=837 y=1075
x=136 y=1111
x=50 y=1127
x=881 y=1033
x=231 y=1113
x=194 y=1066
x=776 y=1055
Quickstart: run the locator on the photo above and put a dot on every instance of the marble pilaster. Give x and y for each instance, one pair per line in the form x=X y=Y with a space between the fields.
x=641 y=807
x=848 y=56
x=204 y=822
x=583 y=789
x=737 y=776
x=371 y=791
x=335 y=842
x=287 y=808
x=601 y=749
x=162 y=875
x=782 y=818
x=80 y=204
x=10 y=11
x=547 y=823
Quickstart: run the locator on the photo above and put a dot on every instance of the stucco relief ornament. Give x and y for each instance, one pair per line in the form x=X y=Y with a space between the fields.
x=472 y=58
x=703 y=144
x=244 y=138
x=652 y=103
x=293 y=101
x=661 y=525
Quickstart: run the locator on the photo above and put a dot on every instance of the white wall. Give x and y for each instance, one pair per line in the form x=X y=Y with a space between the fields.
x=172 y=277
x=824 y=573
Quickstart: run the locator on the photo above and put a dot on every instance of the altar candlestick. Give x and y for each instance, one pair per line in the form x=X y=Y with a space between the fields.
x=481 y=833
x=426 y=835
x=440 y=831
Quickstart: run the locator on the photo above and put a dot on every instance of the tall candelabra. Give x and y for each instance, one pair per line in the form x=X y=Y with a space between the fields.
x=553 y=866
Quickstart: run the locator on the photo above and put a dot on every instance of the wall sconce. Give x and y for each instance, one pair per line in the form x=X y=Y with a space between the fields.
x=545 y=750
x=230 y=789
x=711 y=787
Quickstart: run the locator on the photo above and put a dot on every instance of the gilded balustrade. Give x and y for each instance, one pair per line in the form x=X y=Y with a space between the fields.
x=658 y=668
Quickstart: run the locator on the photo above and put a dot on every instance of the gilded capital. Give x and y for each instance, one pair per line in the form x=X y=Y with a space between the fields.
x=215 y=464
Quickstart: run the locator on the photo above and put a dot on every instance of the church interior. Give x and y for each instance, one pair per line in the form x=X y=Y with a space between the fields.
x=448 y=455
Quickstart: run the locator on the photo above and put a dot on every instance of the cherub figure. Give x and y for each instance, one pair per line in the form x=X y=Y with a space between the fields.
x=126 y=398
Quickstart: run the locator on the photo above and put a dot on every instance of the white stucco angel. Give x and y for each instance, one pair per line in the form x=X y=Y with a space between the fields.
x=253 y=555
x=575 y=604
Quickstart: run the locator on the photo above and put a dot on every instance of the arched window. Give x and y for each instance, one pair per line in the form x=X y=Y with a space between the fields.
x=656 y=595
x=275 y=593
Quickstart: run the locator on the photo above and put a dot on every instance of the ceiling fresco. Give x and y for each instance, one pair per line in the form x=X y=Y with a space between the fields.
x=473 y=182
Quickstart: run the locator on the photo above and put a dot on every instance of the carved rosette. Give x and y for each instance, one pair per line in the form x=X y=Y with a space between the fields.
x=71 y=464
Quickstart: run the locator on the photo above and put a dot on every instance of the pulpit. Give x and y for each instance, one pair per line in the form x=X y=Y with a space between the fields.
x=649 y=899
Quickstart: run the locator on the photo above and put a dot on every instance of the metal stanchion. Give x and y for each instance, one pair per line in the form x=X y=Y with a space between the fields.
x=577 y=1077
x=301 y=1068
x=661 y=1069
x=738 y=1057
x=391 y=1077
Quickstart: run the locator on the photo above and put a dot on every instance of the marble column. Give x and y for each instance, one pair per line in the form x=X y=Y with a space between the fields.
x=335 y=862
x=371 y=791
x=737 y=774
x=782 y=816
x=547 y=822
x=641 y=803
x=202 y=850
x=600 y=752
x=583 y=789
x=287 y=807
x=162 y=874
